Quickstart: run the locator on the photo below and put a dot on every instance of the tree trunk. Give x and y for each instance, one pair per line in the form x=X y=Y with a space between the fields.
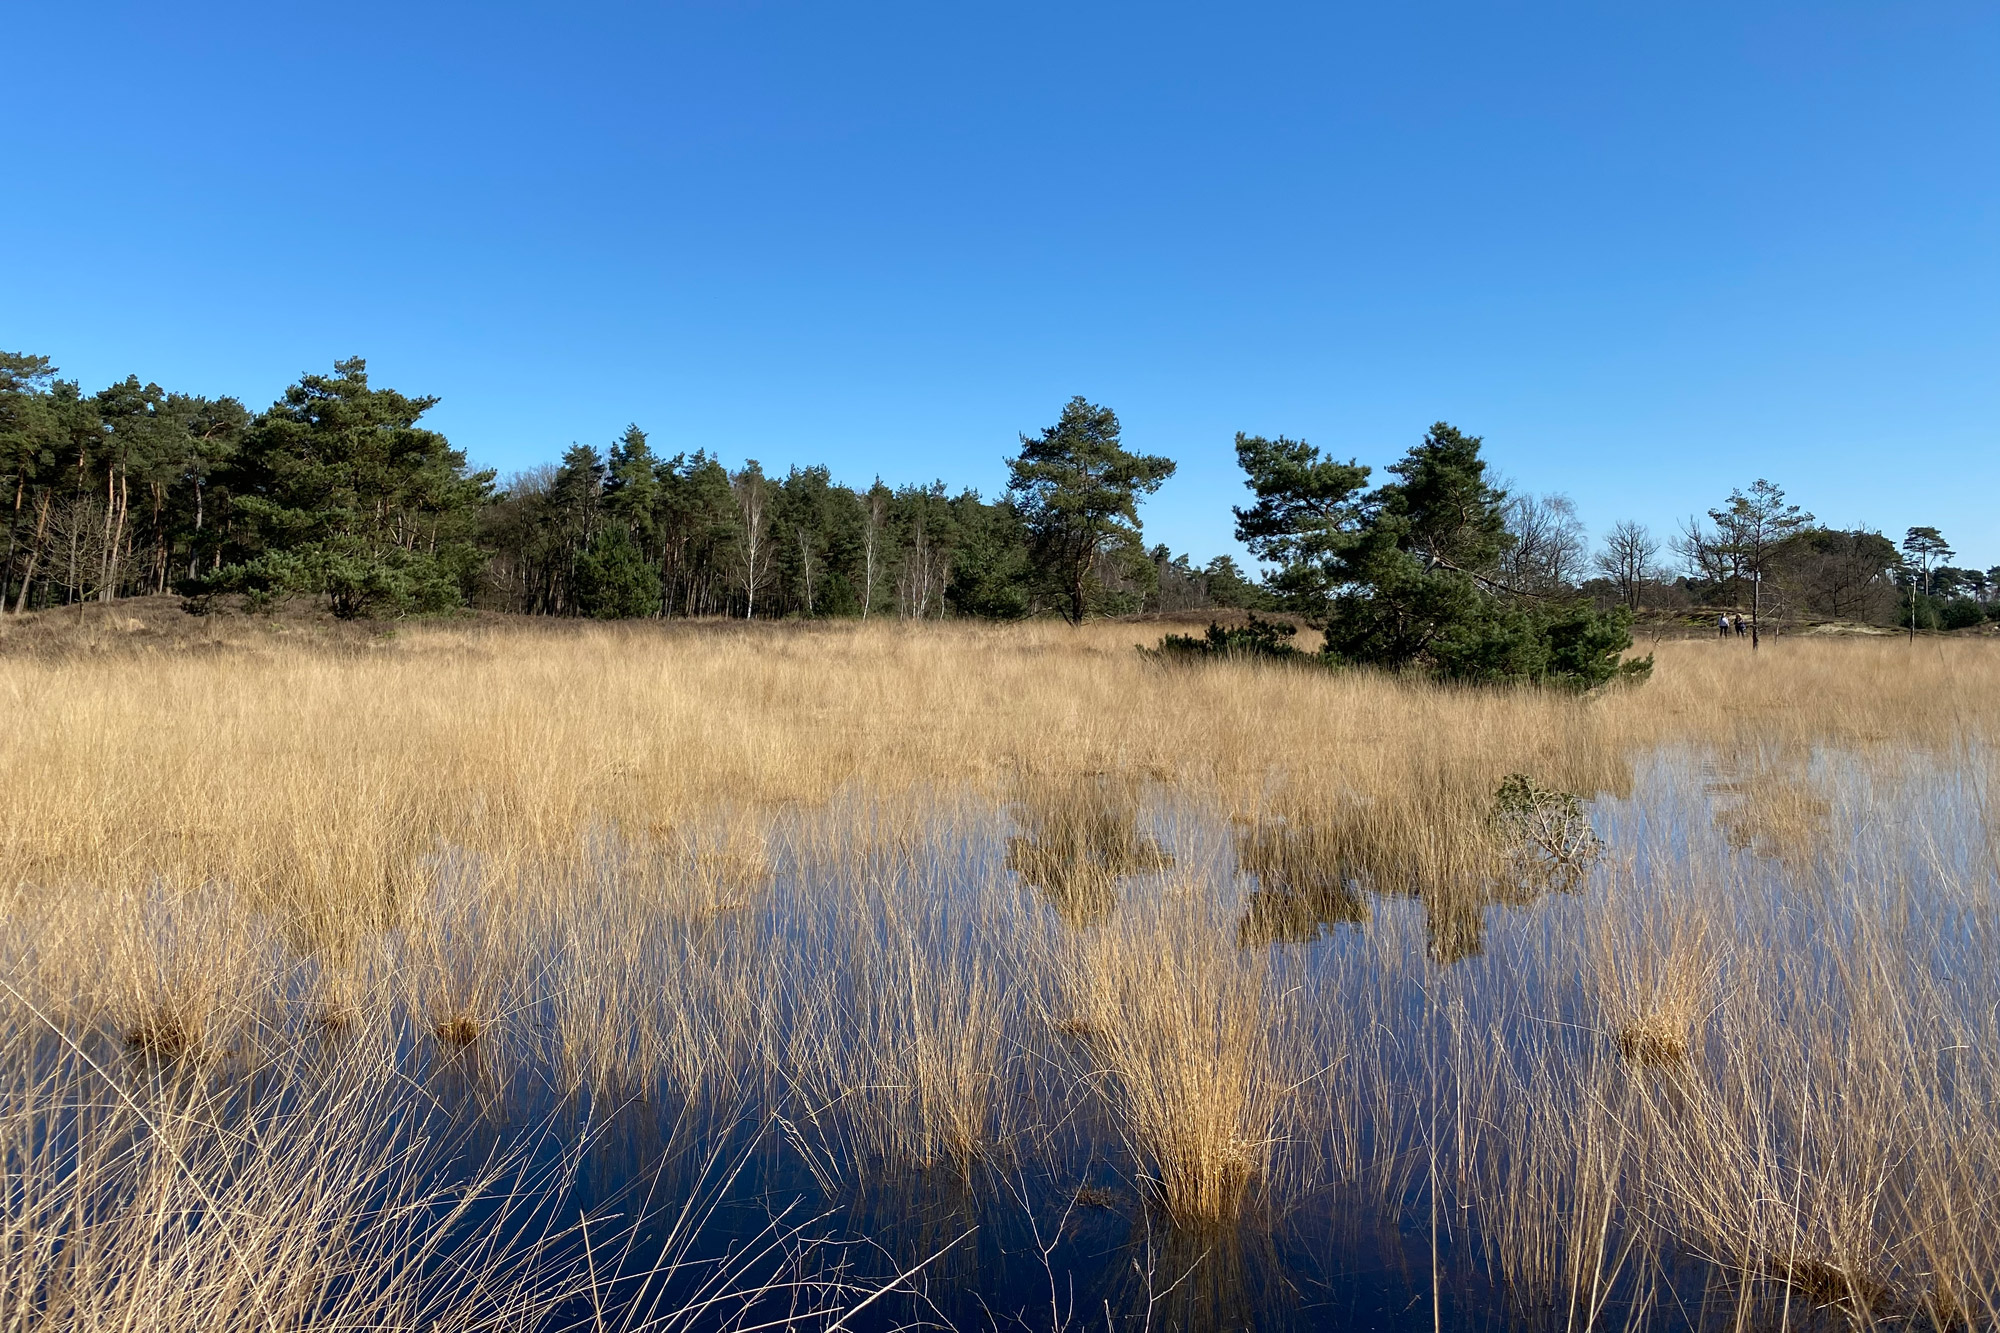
x=121 y=550
x=1756 y=597
x=867 y=572
x=159 y=540
x=806 y=566
x=108 y=555
x=194 y=547
x=34 y=552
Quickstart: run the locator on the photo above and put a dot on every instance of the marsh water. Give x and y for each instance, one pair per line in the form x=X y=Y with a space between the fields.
x=827 y=1181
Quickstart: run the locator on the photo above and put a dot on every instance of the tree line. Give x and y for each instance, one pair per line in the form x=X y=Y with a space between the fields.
x=338 y=490
x=1758 y=551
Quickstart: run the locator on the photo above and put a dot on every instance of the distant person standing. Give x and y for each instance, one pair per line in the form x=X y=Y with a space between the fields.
x=1741 y=628
x=1722 y=626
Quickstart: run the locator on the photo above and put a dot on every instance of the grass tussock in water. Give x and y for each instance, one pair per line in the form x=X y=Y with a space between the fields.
x=953 y=901
x=1180 y=1026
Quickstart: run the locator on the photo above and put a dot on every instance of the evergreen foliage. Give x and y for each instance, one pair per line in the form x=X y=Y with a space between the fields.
x=337 y=491
x=614 y=580
x=1404 y=575
x=1077 y=488
x=1259 y=639
x=1960 y=613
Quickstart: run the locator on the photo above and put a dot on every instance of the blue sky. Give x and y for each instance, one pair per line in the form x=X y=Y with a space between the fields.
x=1649 y=252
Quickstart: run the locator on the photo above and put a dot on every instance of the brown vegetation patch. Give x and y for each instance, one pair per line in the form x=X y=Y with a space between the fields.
x=1837 y=1286
x=488 y=820
x=1656 y=1040
x=163 y=1036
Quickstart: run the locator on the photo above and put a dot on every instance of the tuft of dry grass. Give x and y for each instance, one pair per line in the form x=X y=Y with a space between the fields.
x=1183 y=1036
x=181 y=1203
x=1659 y=983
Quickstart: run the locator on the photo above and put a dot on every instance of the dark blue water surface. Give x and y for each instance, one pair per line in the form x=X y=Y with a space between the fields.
x=757 y=1199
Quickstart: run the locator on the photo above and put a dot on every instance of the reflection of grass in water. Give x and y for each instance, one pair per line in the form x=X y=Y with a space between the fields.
x=1314 y=870
x=182 y=1200
x=1775 y=812
x=1204 y=1278
x=1301 y=890
x=1080 y=836
x=450 y=827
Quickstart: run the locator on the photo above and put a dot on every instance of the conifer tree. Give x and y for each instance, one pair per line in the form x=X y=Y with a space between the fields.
x=1077 y=489
x=1405 y=575
x=338 y=492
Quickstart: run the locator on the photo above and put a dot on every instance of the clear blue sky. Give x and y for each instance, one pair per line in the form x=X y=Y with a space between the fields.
x=1650 y=252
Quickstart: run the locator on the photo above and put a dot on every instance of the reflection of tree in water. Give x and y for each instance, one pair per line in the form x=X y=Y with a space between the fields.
x=1079 y=836
x=1300 y=893
x=1455 y=924
x=1314 y=874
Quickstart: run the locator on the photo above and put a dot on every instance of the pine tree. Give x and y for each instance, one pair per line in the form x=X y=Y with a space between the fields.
x=338 y=492
x=1405 y=575
x=1077 y=489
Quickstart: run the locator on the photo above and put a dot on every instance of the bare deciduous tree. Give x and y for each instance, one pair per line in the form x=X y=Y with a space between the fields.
x=875 y=513
x=922 y=572
x=1705 y=557
x=753 y=502
x=1550 y=545
x=77 y=540
x=1628 y=560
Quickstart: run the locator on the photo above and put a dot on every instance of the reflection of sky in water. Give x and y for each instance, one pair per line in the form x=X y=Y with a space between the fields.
x=1057 y=1206
x=1775 y=832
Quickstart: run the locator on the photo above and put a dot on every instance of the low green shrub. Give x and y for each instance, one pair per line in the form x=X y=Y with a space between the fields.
x=1260 y=639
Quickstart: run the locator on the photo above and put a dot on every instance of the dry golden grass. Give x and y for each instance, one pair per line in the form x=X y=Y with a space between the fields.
x=1181 y=1027
x=939 y=895
x=1660 y=987
x=167 y=1200
x=322 y=782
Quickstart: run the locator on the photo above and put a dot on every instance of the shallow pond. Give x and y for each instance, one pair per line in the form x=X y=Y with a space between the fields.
x=896 y=1082
x=1716 y=1048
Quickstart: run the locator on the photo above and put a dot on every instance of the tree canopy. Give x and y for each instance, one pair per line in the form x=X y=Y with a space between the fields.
x=337 y=491
x=1406 y=575
x=1077 y=489
x=342 y=491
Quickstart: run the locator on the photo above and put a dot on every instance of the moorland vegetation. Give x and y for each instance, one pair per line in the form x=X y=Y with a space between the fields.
x=985 y=904
x=470 y=836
